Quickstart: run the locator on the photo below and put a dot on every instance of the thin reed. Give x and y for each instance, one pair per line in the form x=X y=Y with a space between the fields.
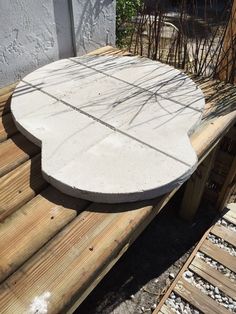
x=197 y=36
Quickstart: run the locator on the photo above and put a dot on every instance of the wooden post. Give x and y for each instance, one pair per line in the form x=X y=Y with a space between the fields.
x=195 y=187
x=230 y=180
x=227 y=67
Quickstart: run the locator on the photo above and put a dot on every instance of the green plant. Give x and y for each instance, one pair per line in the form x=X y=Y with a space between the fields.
x=125 y=11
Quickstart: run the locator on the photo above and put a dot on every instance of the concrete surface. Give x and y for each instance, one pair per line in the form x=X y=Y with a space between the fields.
x=35 y=33
x=112 y=129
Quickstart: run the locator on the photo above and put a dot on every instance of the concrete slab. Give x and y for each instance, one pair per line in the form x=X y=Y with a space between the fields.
x=112 y=129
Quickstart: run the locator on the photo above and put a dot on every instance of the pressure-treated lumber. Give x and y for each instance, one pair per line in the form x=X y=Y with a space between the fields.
x=20 y=186
x=68 y=265
x=208 y=135
x=195 y=187
x=7 y=127
x=225 y=233
x=5 y=94
x=219 y=255
x=194 y=295
x=213 y=276
x=201 y=301
x=166 y=310
x=14 y=152
x=181 y=272
x=78 y=255
x=230 y=215
x=228 y=186
x=29 y=228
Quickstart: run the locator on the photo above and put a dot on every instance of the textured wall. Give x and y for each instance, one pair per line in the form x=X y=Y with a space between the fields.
x=34 y=33
x=94 y=24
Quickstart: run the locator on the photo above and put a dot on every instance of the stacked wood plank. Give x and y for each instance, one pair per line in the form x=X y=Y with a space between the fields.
x=55 y=249
x=194 y=296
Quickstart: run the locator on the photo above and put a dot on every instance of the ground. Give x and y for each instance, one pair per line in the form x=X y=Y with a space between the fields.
x=138 y=281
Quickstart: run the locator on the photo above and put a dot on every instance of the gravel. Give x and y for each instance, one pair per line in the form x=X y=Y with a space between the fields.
x=222 y=244
x=216 y=265
x=180 y=306
x=210 y=290
x=227 y=224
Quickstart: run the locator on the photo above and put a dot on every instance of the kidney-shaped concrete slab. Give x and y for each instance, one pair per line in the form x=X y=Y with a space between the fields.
x=112 y=129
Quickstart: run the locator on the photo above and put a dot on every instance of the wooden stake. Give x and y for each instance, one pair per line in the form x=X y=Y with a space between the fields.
x=195 y=188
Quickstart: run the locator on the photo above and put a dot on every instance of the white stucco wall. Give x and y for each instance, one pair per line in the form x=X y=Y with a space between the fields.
x=34 y=33
x=94 y=24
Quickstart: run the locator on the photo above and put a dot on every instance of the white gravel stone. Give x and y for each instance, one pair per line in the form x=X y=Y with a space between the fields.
x=181 y=306
x=153 y=307
x=227 y=224
x=188 y=274
x=222 y=244
x=212 y=291
x=171 y=275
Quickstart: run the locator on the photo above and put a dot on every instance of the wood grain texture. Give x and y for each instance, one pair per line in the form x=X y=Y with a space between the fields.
x=213 y=276
x=7 y=127
x=69 y=265
x=80 y=253
x=20 y=185
x=228 y=185
x=195 y=188
x=208 y=135
x=230 y=216
x=182 y=270
x=225 y=233
x=166 y=310
x=219 y=255
x=29 y=228
x=14 y=152
x=203 y=270
x=5 y=95
x=200 y=300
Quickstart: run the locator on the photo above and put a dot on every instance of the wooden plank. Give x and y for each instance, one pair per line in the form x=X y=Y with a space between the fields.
x=183 y=269
x=228 y=186
x=230 y=216
x=198 y=299
x=213 y=276
x=210 y=132
x=224 y=233
x=73 y=263
x=5 y=94
x=102 y=50
x=7 y=127
x=20 y=185
x=109 y=50
x=195 y=188
x=219 y=255
x=34 y=224
x=14 y=152
x=166 y=310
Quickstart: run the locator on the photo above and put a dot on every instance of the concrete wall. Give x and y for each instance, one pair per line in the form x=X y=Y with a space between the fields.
x=34 y=33
x=94 y=24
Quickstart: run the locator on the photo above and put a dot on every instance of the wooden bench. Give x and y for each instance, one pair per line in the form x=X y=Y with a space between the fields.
x=55 y=249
